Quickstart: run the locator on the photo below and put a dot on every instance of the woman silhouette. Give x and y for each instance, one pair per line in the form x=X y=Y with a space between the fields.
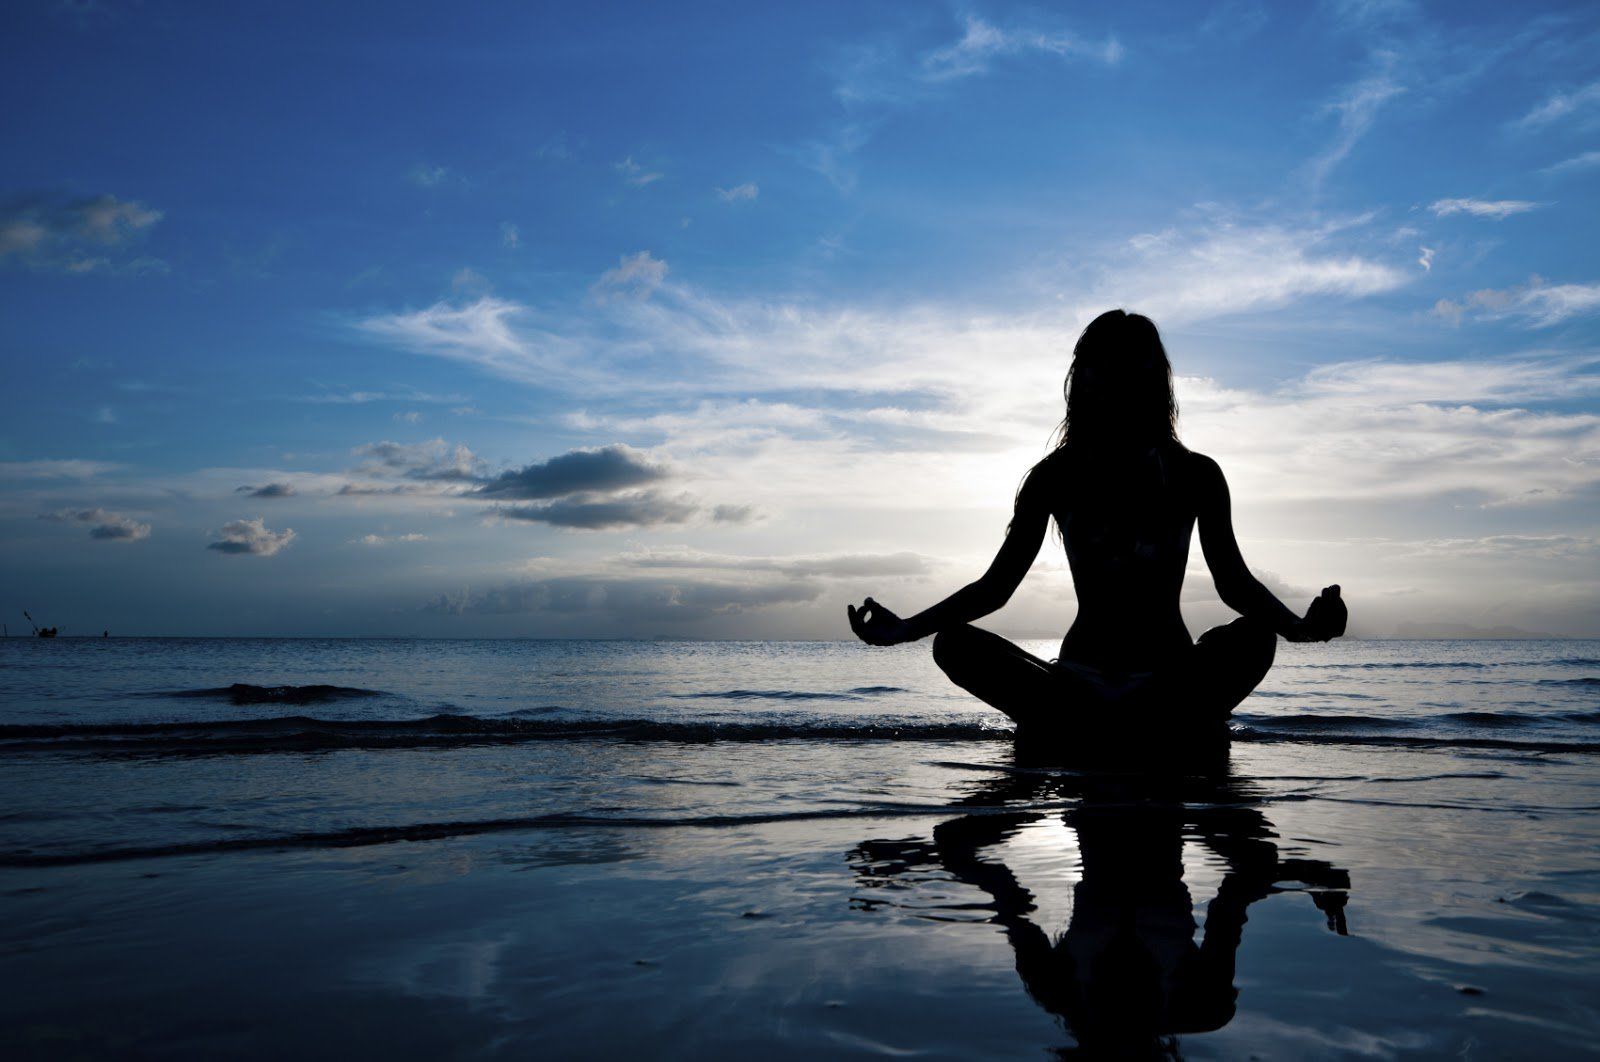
x=1126 y=496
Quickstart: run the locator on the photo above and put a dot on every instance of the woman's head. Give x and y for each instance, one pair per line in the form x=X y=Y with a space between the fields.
x=1119 y=388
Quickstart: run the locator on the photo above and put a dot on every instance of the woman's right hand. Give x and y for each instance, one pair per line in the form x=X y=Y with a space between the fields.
x=1325 y=619
x=876 y=625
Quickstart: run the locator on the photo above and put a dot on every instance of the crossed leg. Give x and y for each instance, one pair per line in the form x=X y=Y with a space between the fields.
x=1199 y=687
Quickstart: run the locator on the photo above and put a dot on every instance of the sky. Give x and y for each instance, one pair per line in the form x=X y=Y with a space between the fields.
x=703 y=320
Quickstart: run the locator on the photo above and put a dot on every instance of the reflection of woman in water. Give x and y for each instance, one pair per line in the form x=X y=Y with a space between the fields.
x=1126 y=496
x=1126 y=971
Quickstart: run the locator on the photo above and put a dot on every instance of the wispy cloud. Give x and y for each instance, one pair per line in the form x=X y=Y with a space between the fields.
x=510 y=235
x=984 y=42
x=1356 y=108
x=251 y=537
x=739 y=193
x=427 y=175
x=356 y=398
x=827 y=566
x=631 y=601
x=1483 y=208
x=480 y=332
x=635 y=174
x=636 y=275
x=75 y=235
x=385 y=540
x=888 y=73
x=70 y=468
x=834 y=157
x=1561 y=105
x=1587 y=161
x=1538 y=302
x=1221 y=267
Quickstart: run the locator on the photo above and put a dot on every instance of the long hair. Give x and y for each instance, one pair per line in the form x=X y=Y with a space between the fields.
x=1118 y=388
x=1119 y=394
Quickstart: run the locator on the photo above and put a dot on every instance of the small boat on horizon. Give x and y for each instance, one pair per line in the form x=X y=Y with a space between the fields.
x=41 y=632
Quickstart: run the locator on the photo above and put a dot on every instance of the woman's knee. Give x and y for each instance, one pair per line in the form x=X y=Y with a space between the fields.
x=949 y=647
x=1251 y=640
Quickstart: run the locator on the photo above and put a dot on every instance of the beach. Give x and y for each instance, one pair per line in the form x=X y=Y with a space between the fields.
x=319 y=849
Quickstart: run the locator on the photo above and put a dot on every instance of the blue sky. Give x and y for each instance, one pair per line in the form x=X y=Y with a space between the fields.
x=702 y=320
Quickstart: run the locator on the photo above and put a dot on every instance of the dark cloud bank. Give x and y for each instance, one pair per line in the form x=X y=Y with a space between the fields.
x=608 y=488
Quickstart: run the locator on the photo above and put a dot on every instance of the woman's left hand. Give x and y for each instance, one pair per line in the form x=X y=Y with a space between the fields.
x=1326 y=618
x=876 y=625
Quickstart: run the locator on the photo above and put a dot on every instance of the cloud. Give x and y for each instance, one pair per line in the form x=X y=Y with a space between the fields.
x=481 y=332
x=108 y=526
x=73 y=236
x=434 y=460
x=635 y=174
x=833 y=157
x=1560 y=105
x=1586 y=161
x=1483 y=208
x=635 y=275
x=983 y=42
x=1356 y=108
x=1223 y=267
x=1201 y=270
x=746 y=192
x=252 y=537
x=1425 y=258
x=585 y=489
x=607 y=513
x=828 y=566
x=410 y=416
x=884 y=73
x=270 y=490
x=637 y=599
x=1386 y=430
x=510 y=235
x=469 y=280
x=356 y=398
x=371 y=490
x=71 y=468
x=1538 y=303
x=384 y=540
x=578 y=471
x=424 y=175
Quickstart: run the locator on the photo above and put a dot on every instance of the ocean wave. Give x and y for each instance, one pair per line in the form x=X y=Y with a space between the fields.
x=1310 y=721
x=246 y=693
x=361 y=836
x=1379 y=665
x=1494 y=719
x=859 y=693
x=1582 y=680
x=301 y=733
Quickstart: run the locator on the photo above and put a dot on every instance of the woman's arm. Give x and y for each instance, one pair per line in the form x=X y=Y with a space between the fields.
x=1242 y=591
x=876 y=625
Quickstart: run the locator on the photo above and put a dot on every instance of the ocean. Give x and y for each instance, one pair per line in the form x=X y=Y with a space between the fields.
x=268 y=847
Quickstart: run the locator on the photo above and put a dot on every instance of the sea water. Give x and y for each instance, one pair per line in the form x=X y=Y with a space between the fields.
x=1436 y=798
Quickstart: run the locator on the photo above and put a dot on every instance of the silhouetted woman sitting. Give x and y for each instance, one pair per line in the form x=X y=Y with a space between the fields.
x=1126 y=496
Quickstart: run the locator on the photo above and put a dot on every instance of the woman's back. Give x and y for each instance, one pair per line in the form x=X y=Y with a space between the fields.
x=1126 y=520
